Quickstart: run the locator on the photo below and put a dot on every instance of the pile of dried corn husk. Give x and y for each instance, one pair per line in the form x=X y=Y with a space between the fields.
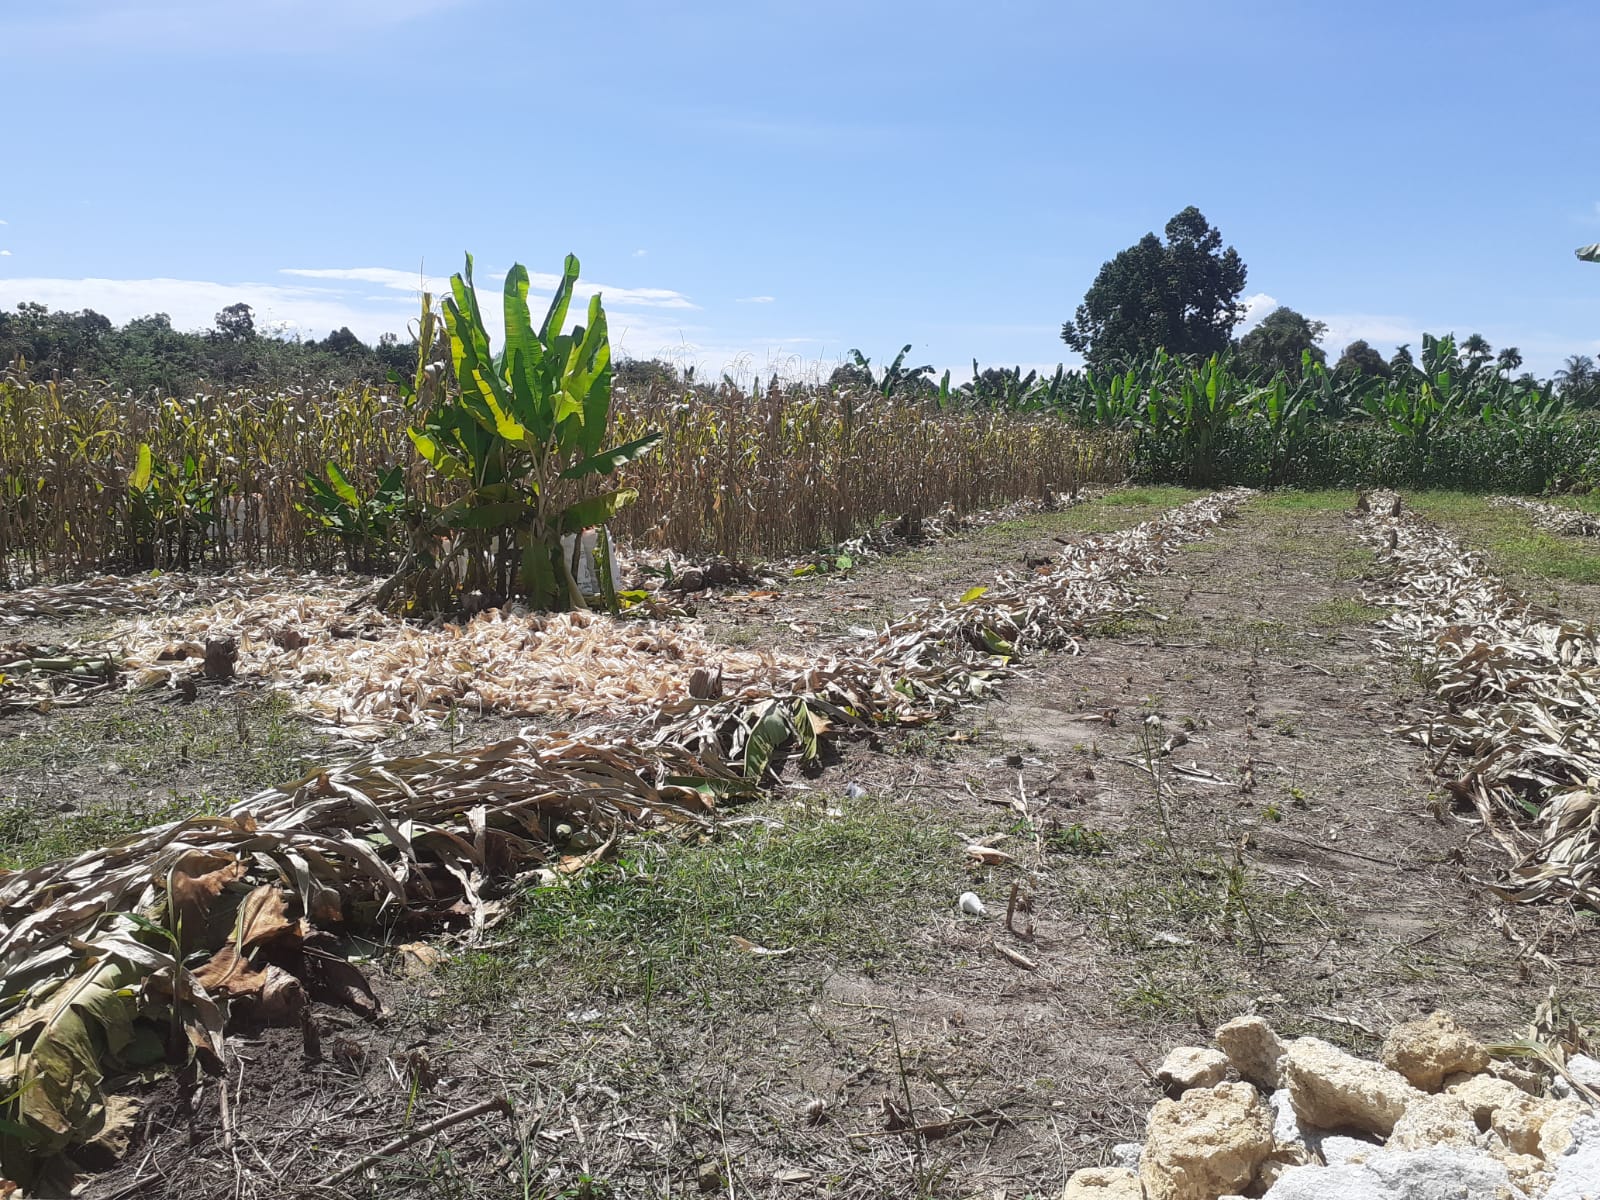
x=1553 y=517
x=1522 y=690
x=366 y=672
x=119 y=595
x=369 y=671
x=92 y=948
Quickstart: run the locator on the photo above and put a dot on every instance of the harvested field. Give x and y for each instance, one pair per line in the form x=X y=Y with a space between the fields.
x=1190 y=796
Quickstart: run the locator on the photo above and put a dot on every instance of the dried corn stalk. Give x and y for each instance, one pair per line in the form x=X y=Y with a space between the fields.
x=92 y=948
x=1521 y=687
x=941 y=655
x=1554 y=517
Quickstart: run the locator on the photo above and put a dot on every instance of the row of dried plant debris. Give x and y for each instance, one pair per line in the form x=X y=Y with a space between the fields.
x=1519 y=734
x=1556 y=518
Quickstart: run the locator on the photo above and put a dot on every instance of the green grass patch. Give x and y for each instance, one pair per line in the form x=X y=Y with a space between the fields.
x=1189 y=937
x=1115 y=510
x=663 y=922
x=36 y=832
x=1335 y=500
x=1341 y=611
x=82 y=778
x=251 y=743
x=1515 y=547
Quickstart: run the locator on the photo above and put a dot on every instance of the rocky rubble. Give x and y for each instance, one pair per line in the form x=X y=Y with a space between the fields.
x=1437 y=1119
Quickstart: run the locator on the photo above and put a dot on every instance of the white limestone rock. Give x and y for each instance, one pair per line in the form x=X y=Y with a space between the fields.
x=1189 y=1067
x=1426 y=1051
x=1434 y=1120
x=1437 y=1174
x=1253 y=1049
x=1331 y=1089
x=1210 y=1142
x=1103 y=1183
x=1575 y=1173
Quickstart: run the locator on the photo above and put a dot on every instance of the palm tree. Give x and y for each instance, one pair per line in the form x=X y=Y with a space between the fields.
x=1577 y=372
x=1579 y=380
x=1508 y=360
x=1477 y=349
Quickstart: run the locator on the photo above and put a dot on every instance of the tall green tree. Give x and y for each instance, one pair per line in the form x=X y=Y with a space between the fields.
x=1361 y=361
x=236 y=323
x=1181 y=295
x=1278 y=342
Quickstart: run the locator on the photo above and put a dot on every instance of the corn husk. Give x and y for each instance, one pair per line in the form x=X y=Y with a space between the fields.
x=1520 y=686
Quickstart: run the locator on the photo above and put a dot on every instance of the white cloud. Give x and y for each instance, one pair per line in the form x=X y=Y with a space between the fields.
x=640 y=253
x=5 y=254
x=413 y=283
x=316 y=303
x=194 y=303
x=2 y=222
x=1382 y=331
x=1256 y=307
x=755 y=300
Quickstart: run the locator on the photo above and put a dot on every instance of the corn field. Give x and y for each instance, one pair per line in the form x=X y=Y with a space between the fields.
x=750 y=476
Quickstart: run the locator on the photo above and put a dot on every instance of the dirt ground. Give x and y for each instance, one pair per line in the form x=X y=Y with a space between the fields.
x=1209 y=811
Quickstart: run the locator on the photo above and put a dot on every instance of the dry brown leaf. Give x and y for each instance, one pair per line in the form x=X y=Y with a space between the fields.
x=226 y=973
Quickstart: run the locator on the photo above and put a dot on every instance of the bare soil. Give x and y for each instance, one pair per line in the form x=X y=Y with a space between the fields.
x=1208 y=811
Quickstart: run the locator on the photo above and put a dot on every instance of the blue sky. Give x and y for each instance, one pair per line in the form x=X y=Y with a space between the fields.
x=770 y=184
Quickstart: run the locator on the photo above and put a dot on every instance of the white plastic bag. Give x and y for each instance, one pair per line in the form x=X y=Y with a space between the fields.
x=588 y=579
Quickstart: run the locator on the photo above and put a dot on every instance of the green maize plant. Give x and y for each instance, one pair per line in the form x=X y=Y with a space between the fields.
x=515 y=439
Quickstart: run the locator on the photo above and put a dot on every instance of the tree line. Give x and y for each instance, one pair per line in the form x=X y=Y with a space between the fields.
x=1182 y=294
x=148 y=355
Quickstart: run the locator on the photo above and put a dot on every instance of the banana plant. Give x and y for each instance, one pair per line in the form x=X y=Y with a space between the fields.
x=364 y=525
x=518 y=436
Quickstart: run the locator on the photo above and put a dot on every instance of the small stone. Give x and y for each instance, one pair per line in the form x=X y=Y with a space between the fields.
x=1484 y=1095
x=1338 y=1151
x=1253 y=1049
x=709 y=1178
x=1530 y=1174
x=1211 y=1141
x=1527 y=1080
x=1533 y=1125
x=1103 y=1183
x=1426 y=1051
x=418 y=958
x=1189 y=1067
x=1126 y=1154
x=1434 y=1121
x=1331 y=1089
